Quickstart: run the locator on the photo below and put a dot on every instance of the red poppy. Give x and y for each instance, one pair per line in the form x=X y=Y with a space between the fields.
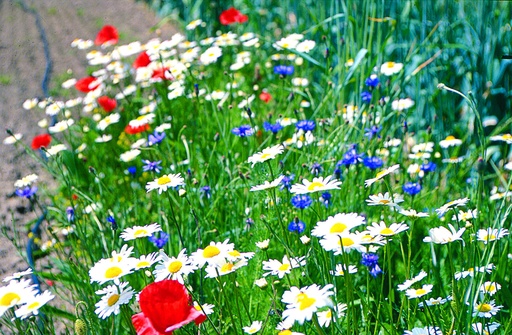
x=87 y=84
x=107 y=34
x=41 y=141
x=142 y=60
x=135 y=130
x=108 y=104
x=165 y=306
x=162 y=73
x=265 y=96
x=231 y=16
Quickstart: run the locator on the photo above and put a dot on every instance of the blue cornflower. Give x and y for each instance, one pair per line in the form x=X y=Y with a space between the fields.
x=286 y=182
x=316 y=169
x=243 y=131
x=301 y=201
x=337 y=169
x=70 y=214
x=370 y=260
x=297 y=226
x=306 y=125
x=284 y=70
x=155 y=138
x=325 y=198
x=373 y=162
x=132 y=170
x=371 y=132
x=26 y=192
x=267 y=126
x=206 y=191
x=428 y=167
x=159 y=242
x=112 y=222
x=351 y=156
x=151 y=166
x=411 y=188
x=372 y=81
x=366 y=97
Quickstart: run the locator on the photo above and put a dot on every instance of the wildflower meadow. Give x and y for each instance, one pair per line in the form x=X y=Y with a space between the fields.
x=343 y=170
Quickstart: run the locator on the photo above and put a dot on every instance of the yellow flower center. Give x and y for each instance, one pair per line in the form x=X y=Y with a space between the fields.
x=384 y=201
x=265 y=156
x=490 y=287
x=234 y=253
x=113 y=272
x=381 y=174
x=33 y=306
x=140 y=232
x=163 y=180
x=449 y=138
x=112 y=300
x=314 y=185
x=175 y=266
x=9 y=299
x=227 y=267
x=143 y=264
x=284 y=267
x=304 y=301
x=484 y=308
x=328 y=315
x=390 y=65
x=421 y=291
x=211 y=251
x=346 y=241
x=507 y=137
x=387 y=231
x=338 y=227
x=285 y=332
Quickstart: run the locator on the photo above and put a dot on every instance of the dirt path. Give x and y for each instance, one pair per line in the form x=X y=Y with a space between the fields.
x=22 y=66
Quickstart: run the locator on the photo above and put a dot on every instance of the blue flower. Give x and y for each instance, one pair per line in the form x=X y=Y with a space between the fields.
x=112 y=222
x=155 y=138
x=301 y=201
x=366 y=97
x=284 y=70
x=243 y=131
x=286 y=182
x=411 y=188
x=372 y=81
x=316 y=169
x=267 y=126
x=351 y=156
x=151 y=166
x=132 y=170
x=206 y=191
x=70 y=214
x=26 y=192
x=297 y=226
x=370 y=260
x=428 y=167
x=325 y=198
x=371 y=132
x=373 y=162
x=159 y=242
x=306 y=125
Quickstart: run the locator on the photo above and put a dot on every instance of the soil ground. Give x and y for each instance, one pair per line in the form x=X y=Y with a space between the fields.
x=22 y=66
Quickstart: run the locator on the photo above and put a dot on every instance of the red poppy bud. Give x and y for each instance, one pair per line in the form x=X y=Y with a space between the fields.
x=108 y=104
x=165 y=306
x=142 y=60
x=231 y=16
x=162 y=73
x=135 y=130
x=87 y=84
x=107 y=34
x=265 y=97
x=41 y=141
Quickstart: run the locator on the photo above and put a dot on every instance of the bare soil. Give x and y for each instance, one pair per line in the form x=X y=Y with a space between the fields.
x=22 y=66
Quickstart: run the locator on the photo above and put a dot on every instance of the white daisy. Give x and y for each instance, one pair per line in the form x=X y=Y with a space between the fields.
x=279 y=269
x=253 y=328
x=318 y=184
x=381 y=175
x=337 y=224
x=111 y=269
x=33 y=305
x=391 y=68
x=266 y=154
x=17 y=275
x=486 y=310
x=113 y=297
x=145 y=261
x=131 y=233
x=381 y=229
x=266 y=185
x=386 y=199
x=165 y=182
x=420 y=292
x=302 y=303
x=409 y=282
x=441 y=235
x=450 y=141
x=223 y=267
x=16 y=293
x=175 y=268
x=441 y=211
x=341 y=269
x=491 y=235
x=486 y=329
x=213 y=253
x=490 y=288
